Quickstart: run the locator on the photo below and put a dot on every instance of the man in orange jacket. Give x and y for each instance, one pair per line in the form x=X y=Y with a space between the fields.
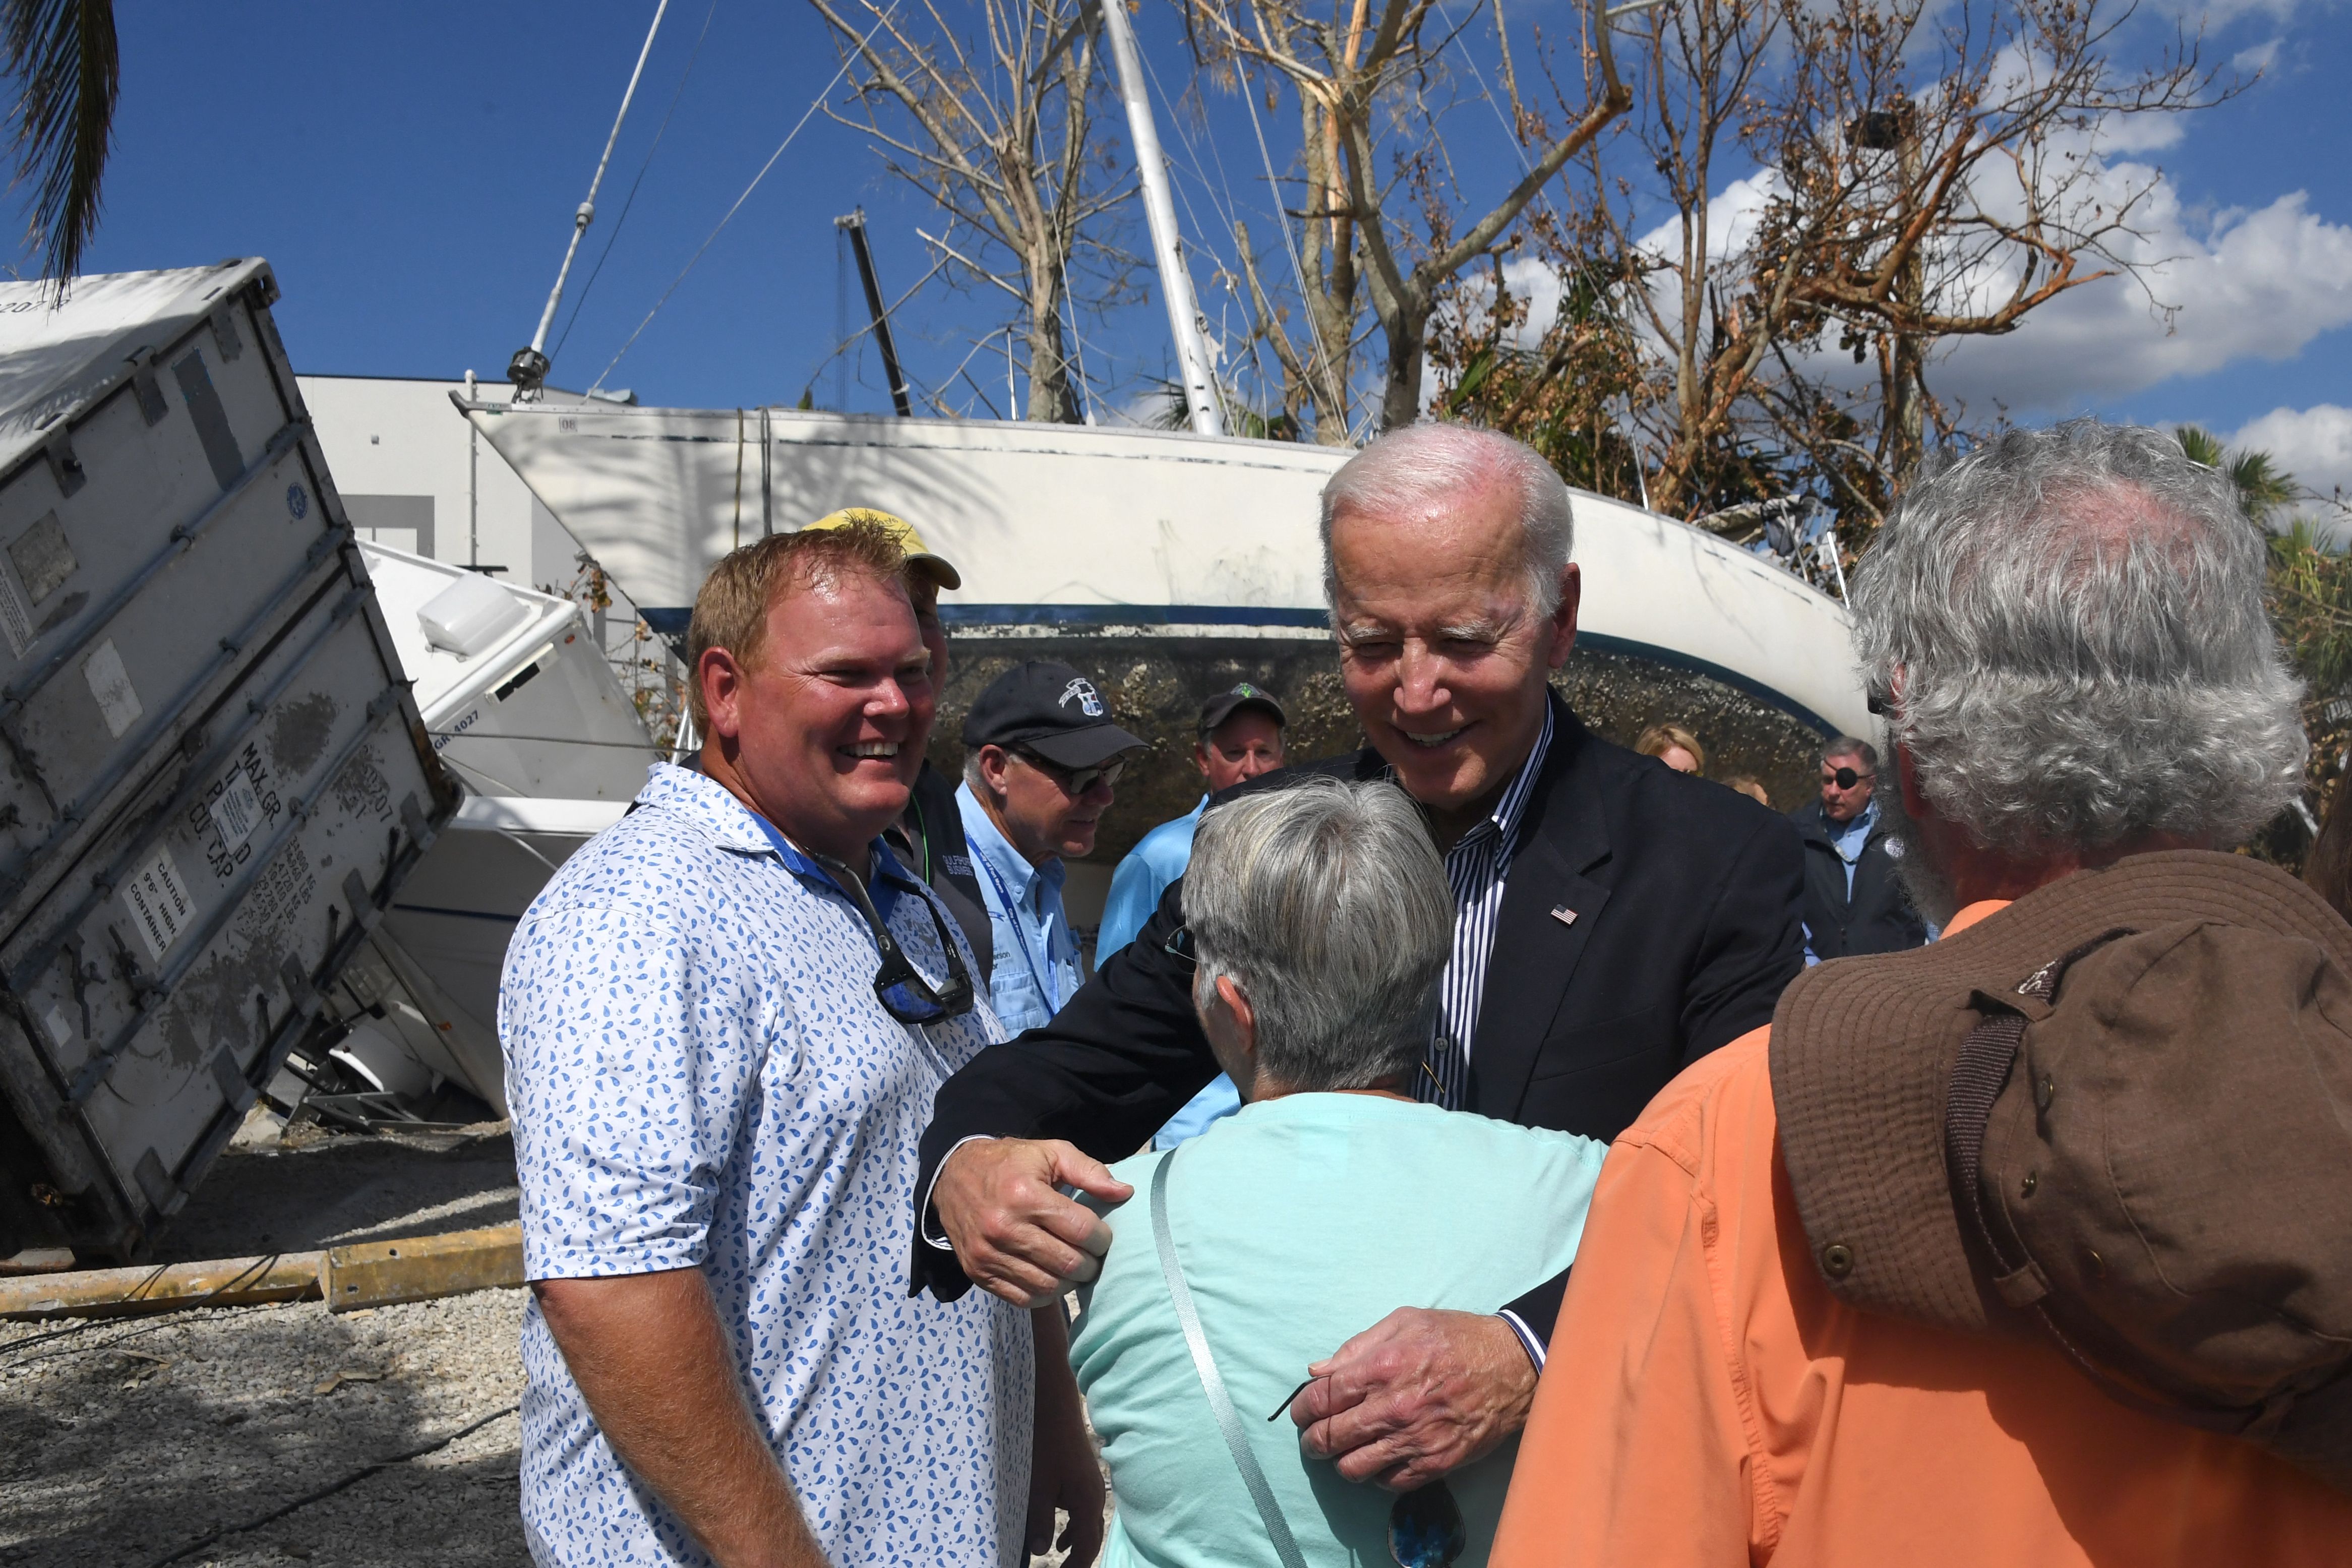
x=2034 y=1247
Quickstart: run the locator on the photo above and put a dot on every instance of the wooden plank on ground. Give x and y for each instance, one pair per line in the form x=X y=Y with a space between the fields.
x=162 y=1288
x=379 y=1273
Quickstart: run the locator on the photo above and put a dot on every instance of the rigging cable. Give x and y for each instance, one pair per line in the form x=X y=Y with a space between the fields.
x=1290 y=243
x=808 y=114
x=1224 y=214
x=1600 y=288
x=1231 y=207
x=631 y=200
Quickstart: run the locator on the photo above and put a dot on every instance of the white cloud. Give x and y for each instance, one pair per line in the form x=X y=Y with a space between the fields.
x=2313 y=444
x=2258 y=284
x=2212 y=288
x=2258 y=57
x=2140 y=133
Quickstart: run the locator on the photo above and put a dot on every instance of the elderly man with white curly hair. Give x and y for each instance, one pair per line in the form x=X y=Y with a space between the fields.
x=2033 y=1247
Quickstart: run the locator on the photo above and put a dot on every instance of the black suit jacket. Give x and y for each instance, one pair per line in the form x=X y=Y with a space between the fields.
x=1647 y=919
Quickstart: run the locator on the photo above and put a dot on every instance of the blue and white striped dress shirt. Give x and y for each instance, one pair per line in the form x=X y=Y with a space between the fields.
x=1476 y=867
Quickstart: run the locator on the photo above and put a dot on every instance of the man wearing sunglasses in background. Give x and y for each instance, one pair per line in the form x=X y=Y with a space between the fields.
x=1854 y=904
x=724 y=1020
x=1041 y=758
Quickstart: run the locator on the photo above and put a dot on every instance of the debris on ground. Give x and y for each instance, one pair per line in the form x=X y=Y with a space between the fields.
x=301 y=1188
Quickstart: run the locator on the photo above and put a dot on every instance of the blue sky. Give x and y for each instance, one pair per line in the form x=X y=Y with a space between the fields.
x=411 y=171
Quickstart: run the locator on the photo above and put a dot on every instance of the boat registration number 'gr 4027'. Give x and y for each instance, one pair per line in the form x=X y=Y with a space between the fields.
x=159 y=905
x=473 y=717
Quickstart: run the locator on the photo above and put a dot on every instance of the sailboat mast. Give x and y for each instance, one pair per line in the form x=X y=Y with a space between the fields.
x=1184 y=323
x=528 y=370
x=856 y=226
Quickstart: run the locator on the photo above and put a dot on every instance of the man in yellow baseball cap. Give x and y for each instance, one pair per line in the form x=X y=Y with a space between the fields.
x=930 y=836
x=920 y=556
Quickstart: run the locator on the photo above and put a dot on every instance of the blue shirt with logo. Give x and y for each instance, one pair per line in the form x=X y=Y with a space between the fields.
x=1037 y=953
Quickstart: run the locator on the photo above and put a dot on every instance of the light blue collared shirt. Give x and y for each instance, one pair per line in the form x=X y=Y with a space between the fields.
x=1851 y=839
x=1156 y=859
x=1135 y=891
x=1036 y=952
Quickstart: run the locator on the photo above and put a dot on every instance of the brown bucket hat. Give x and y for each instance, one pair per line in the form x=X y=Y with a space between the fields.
x=2146 y=1070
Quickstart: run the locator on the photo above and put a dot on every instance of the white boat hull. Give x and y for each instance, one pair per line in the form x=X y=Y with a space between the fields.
x=1119 y=528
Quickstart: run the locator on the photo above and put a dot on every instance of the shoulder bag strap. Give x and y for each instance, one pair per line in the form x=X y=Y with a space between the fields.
x=1229 y=1421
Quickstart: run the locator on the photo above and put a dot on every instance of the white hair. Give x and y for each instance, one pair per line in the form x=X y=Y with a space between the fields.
x=1327 y=903
x=2068 y=628
x=1428 y=467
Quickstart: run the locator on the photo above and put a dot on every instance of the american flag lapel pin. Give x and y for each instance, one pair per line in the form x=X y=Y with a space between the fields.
x=1563 y=914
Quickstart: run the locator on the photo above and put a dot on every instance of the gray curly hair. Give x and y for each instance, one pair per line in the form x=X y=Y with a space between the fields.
x=2066 y=627
x=1328 y=904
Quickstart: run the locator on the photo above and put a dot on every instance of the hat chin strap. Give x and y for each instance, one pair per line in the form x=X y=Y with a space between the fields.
x=1979 y=1074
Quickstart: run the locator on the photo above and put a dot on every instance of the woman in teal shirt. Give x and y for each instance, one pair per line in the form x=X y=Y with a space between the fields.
x=1320 y=920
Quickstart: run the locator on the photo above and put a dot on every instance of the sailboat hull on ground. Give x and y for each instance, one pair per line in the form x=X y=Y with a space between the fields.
x=1168 y=564
x=551 y=751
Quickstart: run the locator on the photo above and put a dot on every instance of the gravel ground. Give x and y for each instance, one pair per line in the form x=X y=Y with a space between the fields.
x=134 y=1443
x=129 y=1441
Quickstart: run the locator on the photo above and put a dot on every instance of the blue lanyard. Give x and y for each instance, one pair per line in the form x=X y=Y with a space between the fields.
x=882 y=888
x=1013 y=918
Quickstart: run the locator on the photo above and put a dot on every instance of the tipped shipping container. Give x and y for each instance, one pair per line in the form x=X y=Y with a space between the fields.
x=212 y=775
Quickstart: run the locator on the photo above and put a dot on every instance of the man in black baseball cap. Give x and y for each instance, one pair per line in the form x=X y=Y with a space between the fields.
x=1041 y=756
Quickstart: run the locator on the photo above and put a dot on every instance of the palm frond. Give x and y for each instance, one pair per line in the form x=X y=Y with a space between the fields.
x=2201 y=445
x=63 y=55
x=2263 y=487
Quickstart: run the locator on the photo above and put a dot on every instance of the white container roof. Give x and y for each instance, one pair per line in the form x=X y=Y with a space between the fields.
x=57 y=360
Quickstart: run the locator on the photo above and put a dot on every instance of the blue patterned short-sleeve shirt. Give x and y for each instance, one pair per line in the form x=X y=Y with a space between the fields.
x=701 y=1077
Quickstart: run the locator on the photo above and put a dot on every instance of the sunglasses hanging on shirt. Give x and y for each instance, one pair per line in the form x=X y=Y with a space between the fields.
x=903 y=994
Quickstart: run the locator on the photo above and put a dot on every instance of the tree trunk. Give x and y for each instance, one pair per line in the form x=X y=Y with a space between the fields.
x=1907 y=399
x=1328 y=318
x=1330 y=281
x=1407 y=329
x=1050 y=398
x=1906 y=407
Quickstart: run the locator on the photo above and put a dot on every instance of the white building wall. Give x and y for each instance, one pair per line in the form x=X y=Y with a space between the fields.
x=407 y=462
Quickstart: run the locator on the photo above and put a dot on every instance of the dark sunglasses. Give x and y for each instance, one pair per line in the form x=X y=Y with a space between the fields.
x=905 y=995
x=1846 y=778
x=1425 y=1527
x=1074 y=781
